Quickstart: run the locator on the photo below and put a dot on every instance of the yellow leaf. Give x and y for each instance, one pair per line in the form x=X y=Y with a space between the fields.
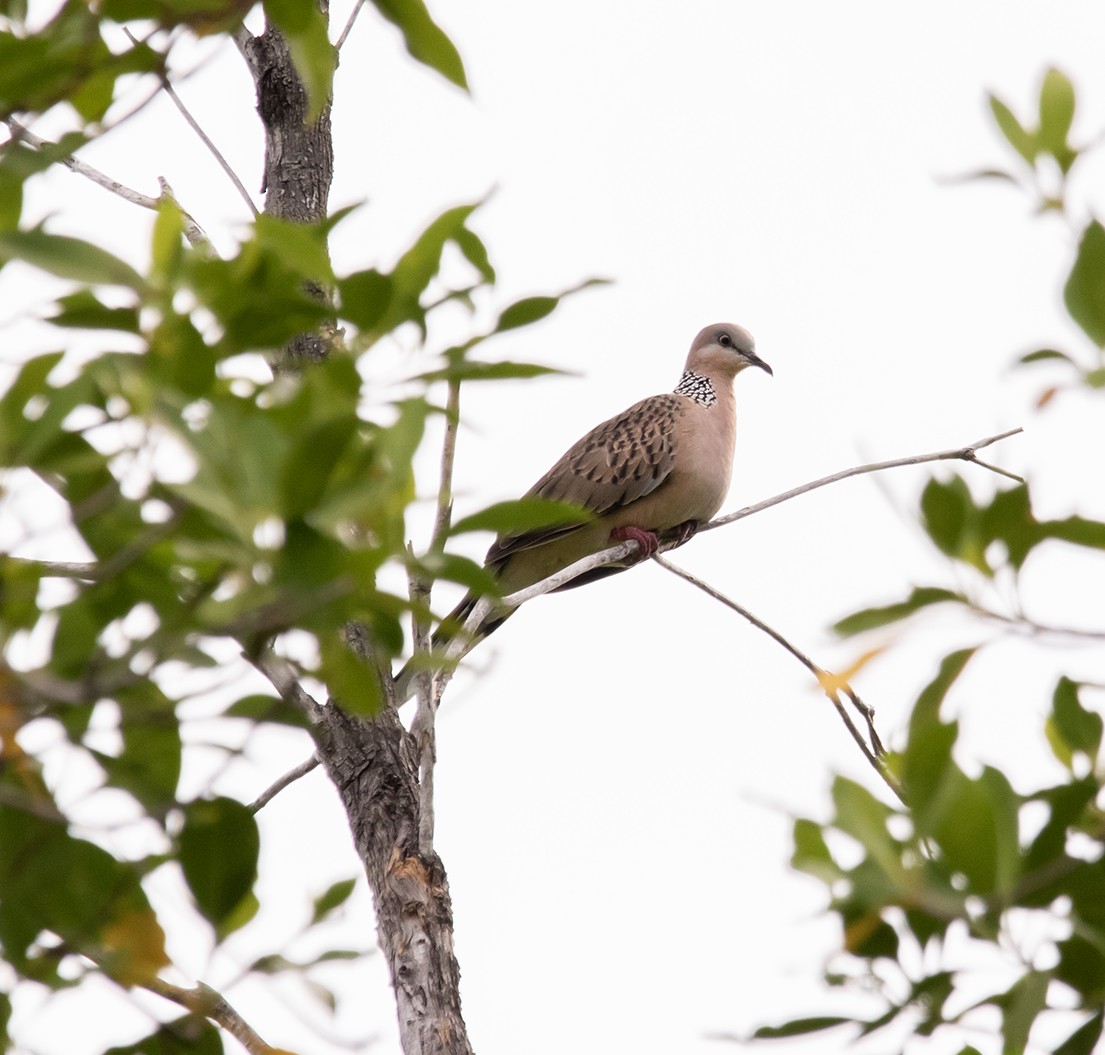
x=134 y=947
x=834 y=683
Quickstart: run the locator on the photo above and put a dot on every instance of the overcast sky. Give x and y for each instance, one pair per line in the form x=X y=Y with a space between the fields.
x=616 y=777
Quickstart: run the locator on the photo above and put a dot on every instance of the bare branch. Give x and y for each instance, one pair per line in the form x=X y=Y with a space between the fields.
x=82 y=168
x=205 y=1001
x=279 y=785
x=170 y=91
x=55 y=569
x=427 y=687
x=964 y=454
x=285 y=680
x=192 y=230
x=831 y=684
x=448 y=456
x=349 y=24
x=242 y=38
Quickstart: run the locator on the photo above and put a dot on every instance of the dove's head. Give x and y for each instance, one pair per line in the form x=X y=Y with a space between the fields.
x=723 y=350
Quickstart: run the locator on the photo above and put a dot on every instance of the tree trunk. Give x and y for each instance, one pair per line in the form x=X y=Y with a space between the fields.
x=374 y=766
x=373 y=763
x=299 y=155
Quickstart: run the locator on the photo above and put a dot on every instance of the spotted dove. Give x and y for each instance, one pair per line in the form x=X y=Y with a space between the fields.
x=654 y=472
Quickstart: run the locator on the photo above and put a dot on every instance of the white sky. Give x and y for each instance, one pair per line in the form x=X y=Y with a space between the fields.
x=614 y=789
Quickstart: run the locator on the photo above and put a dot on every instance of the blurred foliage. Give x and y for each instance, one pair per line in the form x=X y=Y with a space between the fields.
x=211 y=502
x=977 y=910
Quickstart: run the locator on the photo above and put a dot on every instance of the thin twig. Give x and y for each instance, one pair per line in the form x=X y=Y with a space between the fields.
x=448 y=456
x=170 y=91
x=279 y=785
x=192 y=230
x=82 y=168
x=427 y=687
x=349 y=24
x=965 y=454
x=56 y=569
x=830 y=684
x=205 y=1001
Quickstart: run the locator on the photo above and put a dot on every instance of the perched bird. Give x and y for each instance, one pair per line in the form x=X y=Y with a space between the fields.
x=653 y=473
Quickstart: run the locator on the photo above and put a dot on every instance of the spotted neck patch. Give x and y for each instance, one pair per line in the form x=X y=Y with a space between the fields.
x=697 y=388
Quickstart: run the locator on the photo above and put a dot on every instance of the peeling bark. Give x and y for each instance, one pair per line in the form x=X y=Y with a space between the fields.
x=374 y=766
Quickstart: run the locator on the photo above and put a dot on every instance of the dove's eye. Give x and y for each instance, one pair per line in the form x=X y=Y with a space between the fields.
x=725 y=340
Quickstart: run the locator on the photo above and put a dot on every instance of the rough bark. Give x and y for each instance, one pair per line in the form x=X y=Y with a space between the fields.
x=299 y=154
x=374 y=766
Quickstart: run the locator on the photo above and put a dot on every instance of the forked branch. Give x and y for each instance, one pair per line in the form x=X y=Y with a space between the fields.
x=205 y=1001
x=192 y=230
x=831 y=684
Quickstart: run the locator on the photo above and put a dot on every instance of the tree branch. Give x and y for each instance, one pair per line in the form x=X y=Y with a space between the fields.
x=462 y=643
x=349 y=24
x=280 y=784
x=831 y=684
x=427 y=687
x=205 y=1001
x=192 y=230
x=285 y=680
x=963 y=454
x=170 y=91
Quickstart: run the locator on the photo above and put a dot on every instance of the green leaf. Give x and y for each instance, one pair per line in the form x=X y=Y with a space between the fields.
x=531 y=309
x=864 y=817
x=1084 y=293
x=870 y=618
x=168 y=246
x=149 y=764
x=927 y=755
x=1082 y=967
x=467 y=370
x=260 y=708
x=417 y=267
x=1019 y=138
x=1083 y=1041
x=365 y=298
x=350 y=682
x=952 y=522
x=1056 y=115
x=459 y=569
x=219 y=846
x=312 y=462
x=314 y=57
x=799 y=1026
x=189 y=1035
x=811 y=852
x=1043 y=354
x=475 y=252
x=425 y=40
x=521 y=515
x=180 y=358
x=1071 y=727
x=302 y=246
x=85 y=311
x=1020 y=1005
x=524 y=312
x=332 y=898
x=65 y=60
x=68 y=258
